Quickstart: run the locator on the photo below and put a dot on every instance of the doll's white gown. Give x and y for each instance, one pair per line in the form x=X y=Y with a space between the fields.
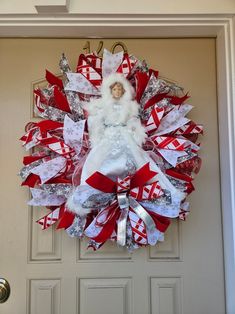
x=116 y=136
x=116 y=153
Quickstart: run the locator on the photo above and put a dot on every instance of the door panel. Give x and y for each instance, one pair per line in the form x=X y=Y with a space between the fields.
x=44 y=296
x=117 y=291
x=166 y=295
x=52 y=273
x=43 y=246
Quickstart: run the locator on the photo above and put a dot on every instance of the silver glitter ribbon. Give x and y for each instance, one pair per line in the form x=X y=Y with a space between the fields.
x=72 y=97
x=124 y=202
x=98 y=200
x=155 y=86
x=77 y=227
x=26 y=170
x=53 y=114
x=60 y=189
x=64 y=65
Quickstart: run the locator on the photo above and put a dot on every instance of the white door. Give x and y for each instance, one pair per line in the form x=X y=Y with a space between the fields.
x=51 y=273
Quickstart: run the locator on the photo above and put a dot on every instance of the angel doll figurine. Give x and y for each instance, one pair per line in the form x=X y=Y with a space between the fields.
x=115 y=131
x=116 y=137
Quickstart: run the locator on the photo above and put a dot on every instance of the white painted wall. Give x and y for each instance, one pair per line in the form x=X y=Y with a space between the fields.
x=154 y=6
x=125 y=6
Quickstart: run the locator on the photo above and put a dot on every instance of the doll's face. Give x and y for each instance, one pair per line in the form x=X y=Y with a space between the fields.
x=117 y=90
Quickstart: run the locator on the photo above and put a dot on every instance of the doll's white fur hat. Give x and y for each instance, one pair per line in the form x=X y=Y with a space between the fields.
x=120 y=78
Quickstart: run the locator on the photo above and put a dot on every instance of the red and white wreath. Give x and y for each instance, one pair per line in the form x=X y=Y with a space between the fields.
x=132 y=205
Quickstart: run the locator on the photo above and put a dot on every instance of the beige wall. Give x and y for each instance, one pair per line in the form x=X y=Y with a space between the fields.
x=124 y=6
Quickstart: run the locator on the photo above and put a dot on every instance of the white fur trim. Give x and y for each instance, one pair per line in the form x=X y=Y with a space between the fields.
x=93 y=106
x=76 y=208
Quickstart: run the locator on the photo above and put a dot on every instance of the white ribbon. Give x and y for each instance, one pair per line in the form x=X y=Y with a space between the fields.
x=111 y=62
x=73 y=133
x=174 y=119
x=49 y=169
x=78 y=83
x=43 y=198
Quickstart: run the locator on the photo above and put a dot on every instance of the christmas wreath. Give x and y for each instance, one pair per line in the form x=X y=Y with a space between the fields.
x=113 y=157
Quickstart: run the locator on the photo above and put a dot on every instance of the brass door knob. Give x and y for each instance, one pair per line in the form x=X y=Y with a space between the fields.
x=4 y=290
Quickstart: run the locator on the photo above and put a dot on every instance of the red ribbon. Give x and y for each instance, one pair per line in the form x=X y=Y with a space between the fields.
x=109 y=224
x=54 y=80
x=65 y=218
x=141 y=83
x=101 y=182
x=61 y=100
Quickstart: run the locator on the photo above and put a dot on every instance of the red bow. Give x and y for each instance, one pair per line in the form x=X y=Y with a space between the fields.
x=128 y=191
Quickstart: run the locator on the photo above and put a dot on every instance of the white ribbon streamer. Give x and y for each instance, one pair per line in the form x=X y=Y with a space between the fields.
x=49 y=169
x=42 y=198
x=111 y=62
x=73 y=133
x=174 y=119
x=78 y=83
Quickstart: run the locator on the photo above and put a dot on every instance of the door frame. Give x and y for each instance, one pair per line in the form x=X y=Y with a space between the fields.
x=218 y=26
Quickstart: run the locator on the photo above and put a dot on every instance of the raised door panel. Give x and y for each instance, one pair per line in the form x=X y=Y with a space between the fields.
x=105 y=296
x=44 y=245
x=170 y=249
x=166 y=295
x=44 y=296
x=109 y=251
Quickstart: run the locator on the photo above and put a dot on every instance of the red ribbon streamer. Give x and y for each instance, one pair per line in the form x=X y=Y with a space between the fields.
x=54 y=80
x=61 y=100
